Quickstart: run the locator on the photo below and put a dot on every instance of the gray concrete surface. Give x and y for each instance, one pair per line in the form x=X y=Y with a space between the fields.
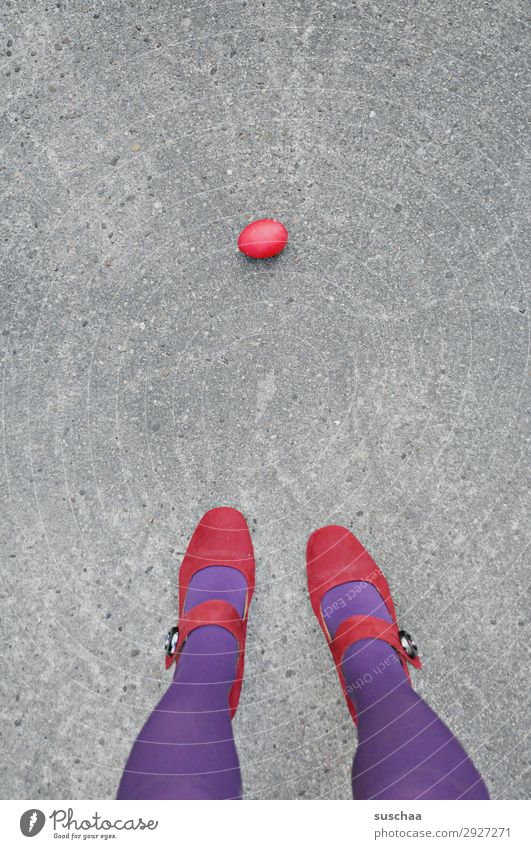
x=374 y=374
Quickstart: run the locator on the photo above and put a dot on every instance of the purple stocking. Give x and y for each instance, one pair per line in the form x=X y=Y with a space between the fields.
x=186 y=749
x=405 y=751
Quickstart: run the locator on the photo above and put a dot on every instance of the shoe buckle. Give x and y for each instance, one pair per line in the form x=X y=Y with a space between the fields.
x=408 y=644
x=172 y=638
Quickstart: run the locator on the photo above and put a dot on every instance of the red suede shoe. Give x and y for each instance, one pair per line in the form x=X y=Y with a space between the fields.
x=333 y=557
x=221 y=538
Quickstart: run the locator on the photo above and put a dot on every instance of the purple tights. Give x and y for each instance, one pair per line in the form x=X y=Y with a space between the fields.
x=404 y=750
x=186 y=749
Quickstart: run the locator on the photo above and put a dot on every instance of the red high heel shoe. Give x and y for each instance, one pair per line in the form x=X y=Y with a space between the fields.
x=221 y=538
x=333 y=557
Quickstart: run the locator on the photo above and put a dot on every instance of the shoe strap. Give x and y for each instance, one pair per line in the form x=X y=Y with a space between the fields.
x=212 y=612
x=357 y=628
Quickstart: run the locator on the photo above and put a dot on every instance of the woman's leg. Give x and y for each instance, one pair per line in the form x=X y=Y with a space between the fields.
x=186 y=749
x=405 y=751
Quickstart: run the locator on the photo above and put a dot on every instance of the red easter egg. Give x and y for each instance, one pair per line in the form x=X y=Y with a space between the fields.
x=263 y=238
